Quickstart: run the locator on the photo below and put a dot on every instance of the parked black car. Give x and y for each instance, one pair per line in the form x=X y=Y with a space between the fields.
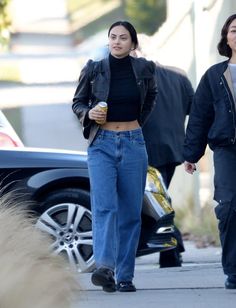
x=58 y=184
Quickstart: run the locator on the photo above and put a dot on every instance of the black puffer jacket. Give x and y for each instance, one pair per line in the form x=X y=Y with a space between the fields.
x=212 y=118
x=94 y=83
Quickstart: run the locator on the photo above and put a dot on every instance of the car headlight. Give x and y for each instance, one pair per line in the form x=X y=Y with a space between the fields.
x=155 y=183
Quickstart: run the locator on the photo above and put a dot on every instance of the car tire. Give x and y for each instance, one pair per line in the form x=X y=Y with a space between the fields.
x=66 y=216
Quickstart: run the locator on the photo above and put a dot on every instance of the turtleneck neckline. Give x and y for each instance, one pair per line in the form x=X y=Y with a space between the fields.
x=119 y=60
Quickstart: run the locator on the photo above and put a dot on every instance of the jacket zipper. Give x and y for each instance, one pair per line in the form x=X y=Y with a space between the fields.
x=232 y=107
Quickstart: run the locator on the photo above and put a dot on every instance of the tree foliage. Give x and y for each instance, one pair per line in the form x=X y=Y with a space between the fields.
x=146 y=15
x=4 y=22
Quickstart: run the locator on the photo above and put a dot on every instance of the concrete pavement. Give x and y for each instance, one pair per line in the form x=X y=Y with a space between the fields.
x=199 y=283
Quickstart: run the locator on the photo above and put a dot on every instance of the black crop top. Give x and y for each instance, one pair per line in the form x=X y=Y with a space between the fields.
x=123 y=99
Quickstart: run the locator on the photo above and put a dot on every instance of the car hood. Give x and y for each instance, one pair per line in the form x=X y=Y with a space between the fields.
x=40 y=157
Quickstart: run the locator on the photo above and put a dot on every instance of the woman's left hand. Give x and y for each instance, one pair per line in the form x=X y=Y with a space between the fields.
x=189 y=167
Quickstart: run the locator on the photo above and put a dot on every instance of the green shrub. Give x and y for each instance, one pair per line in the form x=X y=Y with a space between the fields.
x=146 y=15
x=5 y=23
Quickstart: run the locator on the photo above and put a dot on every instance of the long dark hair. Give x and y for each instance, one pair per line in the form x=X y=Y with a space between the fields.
x=223 y=47
x=128 y=27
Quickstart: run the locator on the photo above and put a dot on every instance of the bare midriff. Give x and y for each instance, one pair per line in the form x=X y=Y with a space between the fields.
x=121 y=126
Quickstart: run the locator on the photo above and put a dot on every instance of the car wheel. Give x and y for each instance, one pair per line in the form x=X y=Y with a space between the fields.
x=66 y=216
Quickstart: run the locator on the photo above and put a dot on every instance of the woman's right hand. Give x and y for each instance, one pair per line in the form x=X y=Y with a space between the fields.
x=97 y=114
x=189 y=167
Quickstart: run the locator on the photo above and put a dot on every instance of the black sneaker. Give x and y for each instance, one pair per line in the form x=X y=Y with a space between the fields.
x=126 y=286
x=170 y=258
x=104 y=277
x=230 y=282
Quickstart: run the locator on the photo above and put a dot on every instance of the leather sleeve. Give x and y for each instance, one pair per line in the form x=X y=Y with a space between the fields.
x=81 y=100
x=150 y=98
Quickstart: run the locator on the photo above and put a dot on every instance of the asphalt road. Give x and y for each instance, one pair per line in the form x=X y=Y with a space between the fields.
x=52 y=126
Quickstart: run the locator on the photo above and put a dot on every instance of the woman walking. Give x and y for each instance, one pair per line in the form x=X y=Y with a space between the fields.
x=117 y=158
x=213 y=121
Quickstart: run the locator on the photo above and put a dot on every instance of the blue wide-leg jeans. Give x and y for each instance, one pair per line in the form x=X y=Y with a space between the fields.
x=117 y=163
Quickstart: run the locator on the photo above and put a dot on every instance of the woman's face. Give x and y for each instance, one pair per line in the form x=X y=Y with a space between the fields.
x=120 y=43
x=231 y=36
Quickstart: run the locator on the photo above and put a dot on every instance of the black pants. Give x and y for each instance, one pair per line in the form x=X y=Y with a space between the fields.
x=167 y=172
x=171 y=257
x=225 y=195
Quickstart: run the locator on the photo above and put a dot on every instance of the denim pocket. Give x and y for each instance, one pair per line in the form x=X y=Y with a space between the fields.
x=97 y=140
x=138 y=140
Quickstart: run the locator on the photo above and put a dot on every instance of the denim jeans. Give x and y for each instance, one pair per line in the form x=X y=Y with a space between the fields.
x=117 y=163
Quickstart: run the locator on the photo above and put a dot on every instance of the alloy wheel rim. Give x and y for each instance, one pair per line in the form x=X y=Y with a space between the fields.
x=70 y=227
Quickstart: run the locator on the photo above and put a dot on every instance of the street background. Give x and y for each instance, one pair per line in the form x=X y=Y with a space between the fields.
x=39 y=107
x=48 y=57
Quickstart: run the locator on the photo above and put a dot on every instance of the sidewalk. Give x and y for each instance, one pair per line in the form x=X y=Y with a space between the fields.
x=198 y=283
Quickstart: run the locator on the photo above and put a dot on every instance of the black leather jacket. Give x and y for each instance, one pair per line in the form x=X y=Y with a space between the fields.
x=212 y=118
x=94 y=82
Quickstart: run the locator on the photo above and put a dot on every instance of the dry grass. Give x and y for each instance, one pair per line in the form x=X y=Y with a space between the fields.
x=30 y=275
x=201 y=227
